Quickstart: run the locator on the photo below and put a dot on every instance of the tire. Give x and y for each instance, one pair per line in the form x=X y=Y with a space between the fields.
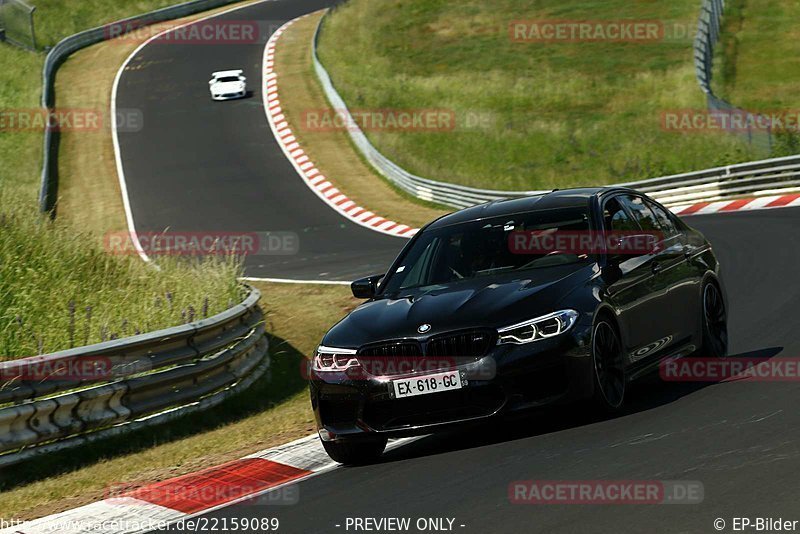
x=608 y=367
x=715 y=323
x=356 y=452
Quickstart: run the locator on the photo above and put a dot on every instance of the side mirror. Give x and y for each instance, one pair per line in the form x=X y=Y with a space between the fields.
x=365 y=288
x=210 y=82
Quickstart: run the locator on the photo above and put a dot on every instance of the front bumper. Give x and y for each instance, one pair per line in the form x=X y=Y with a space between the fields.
x=510 y=378
x=229 y=96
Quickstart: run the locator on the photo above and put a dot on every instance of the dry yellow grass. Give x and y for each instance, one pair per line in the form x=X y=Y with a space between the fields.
x=89 y=196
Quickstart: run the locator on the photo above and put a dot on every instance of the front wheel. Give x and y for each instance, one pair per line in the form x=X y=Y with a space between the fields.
x=355 y=452
x=609 y=367
x=715 y=323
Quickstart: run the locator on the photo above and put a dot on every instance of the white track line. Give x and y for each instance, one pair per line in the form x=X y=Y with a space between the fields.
x=290 y=281
x=118 y=152
x=115 y=136
x=119 y=515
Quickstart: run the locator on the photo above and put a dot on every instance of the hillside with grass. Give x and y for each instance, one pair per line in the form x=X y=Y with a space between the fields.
x=757 y=63
x=758 y=59
x=58 y=286
x=529 y=114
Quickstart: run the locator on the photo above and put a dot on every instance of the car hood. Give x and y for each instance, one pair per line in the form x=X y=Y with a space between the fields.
x=228 y=87
x=479 y=303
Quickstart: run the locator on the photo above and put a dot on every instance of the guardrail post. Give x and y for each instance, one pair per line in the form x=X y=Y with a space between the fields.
x=33 y=28
x=14 y=429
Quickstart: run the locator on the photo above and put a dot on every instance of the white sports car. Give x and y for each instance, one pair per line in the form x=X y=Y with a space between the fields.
x=227 y=85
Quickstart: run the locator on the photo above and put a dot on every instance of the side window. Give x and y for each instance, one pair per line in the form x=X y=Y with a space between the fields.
x=615 y=218
x=641 y=213
x=664 y=220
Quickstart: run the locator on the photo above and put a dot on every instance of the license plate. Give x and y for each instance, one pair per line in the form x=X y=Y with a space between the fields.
x=424 y=385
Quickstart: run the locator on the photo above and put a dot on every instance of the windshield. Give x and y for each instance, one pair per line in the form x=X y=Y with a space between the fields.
x=226 y=79
x=481 y=248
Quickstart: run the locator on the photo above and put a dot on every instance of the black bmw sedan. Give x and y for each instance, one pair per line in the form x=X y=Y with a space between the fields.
x=512 y=305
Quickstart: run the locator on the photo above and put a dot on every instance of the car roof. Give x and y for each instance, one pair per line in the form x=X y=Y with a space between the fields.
x=227 y=73
x=558 y=198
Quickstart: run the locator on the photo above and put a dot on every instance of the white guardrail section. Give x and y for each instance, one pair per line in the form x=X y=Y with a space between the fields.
x=77 y=396
x=745 y=179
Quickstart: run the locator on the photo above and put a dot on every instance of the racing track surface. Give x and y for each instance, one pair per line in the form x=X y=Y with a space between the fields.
x=204 y=166
x=741 y=440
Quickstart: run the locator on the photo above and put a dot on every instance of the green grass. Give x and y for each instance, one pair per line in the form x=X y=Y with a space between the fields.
x=48 y=269
x=757 y=61
x=20 y=76
x=58 y=288
x=20 y=152
x=55 y=19
x=556 y=114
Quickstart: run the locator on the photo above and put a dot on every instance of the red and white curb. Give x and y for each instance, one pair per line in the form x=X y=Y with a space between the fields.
x=155 y=506
x=159 y=504
x=742 y=204
x=306 y=168
x=341 y=203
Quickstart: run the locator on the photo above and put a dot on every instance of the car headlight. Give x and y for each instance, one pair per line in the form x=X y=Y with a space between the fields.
x=333 y=359
x=542 y=327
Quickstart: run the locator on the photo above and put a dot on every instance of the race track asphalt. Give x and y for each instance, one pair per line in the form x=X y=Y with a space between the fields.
x=200 y=165
x=215 y=167
x=740 y=440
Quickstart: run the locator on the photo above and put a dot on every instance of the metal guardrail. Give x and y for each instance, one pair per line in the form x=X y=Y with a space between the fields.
x=755 y=178
x=79 y=395
x=766 y=176
x=458 y=196
x=708 y=32
x=73 y=43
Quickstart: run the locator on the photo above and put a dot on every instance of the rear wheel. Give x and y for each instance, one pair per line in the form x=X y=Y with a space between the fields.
x=715 y=323
x=609 y=367
x=355 y=452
